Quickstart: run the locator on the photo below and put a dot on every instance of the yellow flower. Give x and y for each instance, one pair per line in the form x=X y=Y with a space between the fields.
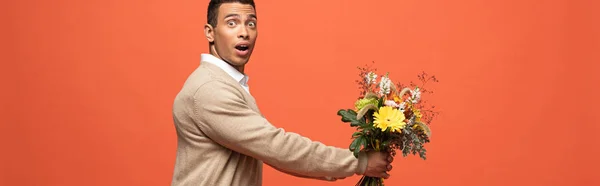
x=389 y=117
x=417 y=114
x=397 y=99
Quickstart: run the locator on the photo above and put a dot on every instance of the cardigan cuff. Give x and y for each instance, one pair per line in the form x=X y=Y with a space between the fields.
x=362 y=163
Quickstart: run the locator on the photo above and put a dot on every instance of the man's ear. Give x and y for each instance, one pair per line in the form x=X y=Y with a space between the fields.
x=209 y=32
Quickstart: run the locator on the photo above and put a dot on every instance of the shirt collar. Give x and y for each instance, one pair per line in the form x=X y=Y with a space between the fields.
x=234 y=73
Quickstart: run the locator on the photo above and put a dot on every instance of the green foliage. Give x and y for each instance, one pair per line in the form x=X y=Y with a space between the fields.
x=350 y=116
x=412 y=142
x=361 y=103
x=357 y=144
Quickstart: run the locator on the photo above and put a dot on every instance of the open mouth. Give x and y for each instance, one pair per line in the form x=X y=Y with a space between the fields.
x=242 y=47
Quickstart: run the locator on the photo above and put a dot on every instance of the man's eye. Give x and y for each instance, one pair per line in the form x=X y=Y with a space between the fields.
x=252 y=24
x=231 y=23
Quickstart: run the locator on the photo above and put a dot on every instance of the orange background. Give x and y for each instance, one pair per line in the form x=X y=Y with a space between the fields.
x=87 y=86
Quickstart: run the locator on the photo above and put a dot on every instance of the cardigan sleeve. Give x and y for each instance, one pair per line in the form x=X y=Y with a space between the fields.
x=224 y=116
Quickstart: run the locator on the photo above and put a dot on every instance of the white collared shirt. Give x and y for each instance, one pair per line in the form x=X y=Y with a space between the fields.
x=234 y=73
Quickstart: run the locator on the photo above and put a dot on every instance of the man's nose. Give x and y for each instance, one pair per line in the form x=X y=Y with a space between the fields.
x=243 y=32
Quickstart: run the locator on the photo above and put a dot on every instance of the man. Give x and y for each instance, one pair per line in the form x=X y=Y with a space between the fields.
x=222 y=137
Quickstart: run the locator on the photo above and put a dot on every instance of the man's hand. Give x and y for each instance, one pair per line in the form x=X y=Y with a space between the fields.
x=378 y=164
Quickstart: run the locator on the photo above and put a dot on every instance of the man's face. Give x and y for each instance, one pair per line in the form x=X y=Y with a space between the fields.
x=235 y=33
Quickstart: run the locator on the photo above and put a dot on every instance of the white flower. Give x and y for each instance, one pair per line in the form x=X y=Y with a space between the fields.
x=415 y=95
x=402 y=106
x=391 y=103
x=384 y=85
x=371 y=78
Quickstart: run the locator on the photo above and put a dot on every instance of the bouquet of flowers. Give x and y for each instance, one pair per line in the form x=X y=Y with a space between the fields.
x=389 y=117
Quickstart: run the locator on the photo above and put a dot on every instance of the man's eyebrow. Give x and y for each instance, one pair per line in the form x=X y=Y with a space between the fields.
x=231 y=15
x=237 y=15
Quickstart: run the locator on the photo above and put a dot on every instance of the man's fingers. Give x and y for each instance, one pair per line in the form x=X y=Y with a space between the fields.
x=385 y=175
x=390 y=159
x=389 y=167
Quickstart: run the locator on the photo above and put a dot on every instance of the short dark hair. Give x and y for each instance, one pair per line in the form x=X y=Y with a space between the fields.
x=213 y=9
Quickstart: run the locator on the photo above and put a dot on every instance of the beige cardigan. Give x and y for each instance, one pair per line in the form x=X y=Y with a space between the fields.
x=222 y=138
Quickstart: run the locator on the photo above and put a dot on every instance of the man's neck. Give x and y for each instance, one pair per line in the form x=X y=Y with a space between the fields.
x=238 y=68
